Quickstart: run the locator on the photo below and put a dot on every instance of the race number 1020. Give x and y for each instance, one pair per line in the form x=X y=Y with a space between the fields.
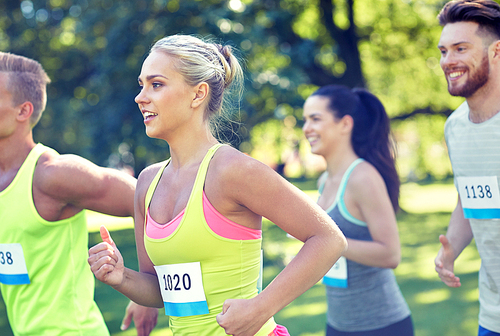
x=176 y=282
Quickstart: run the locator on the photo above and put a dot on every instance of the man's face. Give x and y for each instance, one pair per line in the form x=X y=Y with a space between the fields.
x=464 y=58
x=7 y=108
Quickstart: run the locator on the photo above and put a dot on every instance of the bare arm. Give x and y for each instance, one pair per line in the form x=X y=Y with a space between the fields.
x=368 y=191
x=66 y=184
x=262 y=191
x=458 y=236
x=107 y=264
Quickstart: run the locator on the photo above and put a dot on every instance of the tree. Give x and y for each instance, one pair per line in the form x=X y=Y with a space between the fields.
x=93 y=49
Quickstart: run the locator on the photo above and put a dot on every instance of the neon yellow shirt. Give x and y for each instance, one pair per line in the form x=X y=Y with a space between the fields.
x=229 y=268
x=59 y=297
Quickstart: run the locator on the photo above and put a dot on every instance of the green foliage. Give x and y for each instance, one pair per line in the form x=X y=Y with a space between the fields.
x=421 y=149
x=400 y=62
x=93 y=50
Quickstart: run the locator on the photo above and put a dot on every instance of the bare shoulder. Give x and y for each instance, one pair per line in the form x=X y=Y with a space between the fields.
x=230 y=163
x=232 y=158
x=365 y=179
x=148 y=173
x=145 y=178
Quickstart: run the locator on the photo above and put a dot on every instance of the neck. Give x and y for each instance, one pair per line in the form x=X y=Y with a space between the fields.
x=13 y=152
x=484 y=104
x=190 y=148
x=337 y=163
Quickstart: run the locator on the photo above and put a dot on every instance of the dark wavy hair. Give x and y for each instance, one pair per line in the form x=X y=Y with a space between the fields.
x=371 y=135
x=486 y=13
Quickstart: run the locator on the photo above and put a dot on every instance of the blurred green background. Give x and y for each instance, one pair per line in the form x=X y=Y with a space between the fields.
x=93 y=51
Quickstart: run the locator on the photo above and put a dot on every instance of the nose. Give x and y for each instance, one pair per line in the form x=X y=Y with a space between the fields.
x=305 y=127
x=140 y=98
x=447 y=60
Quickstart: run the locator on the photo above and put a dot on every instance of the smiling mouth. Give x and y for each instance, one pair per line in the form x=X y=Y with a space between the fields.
x=149 y=115
x=312 y=139
x=455 y=74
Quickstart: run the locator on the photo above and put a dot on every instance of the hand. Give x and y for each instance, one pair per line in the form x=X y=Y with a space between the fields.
x=444 y=263
x=105 y=261
x=240 y=318
x=145 y=318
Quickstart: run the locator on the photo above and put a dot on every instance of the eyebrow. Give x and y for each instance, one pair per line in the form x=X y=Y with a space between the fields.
x=150 y=77
x=454 y=44
x=314 y=114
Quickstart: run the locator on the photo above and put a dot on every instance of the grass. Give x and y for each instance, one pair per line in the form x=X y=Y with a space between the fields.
x=437 y=310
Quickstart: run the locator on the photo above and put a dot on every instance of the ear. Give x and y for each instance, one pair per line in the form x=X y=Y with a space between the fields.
x=495 y=49
x=200 y=94
x=25 y=111
x=347 y=123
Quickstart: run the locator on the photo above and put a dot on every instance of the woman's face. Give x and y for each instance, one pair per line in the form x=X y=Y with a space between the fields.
x=165 y=98
x=321 y=128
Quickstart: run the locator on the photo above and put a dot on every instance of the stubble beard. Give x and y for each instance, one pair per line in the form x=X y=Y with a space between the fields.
x=475 y=82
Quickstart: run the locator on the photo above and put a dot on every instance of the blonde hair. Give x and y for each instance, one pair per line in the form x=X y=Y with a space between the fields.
x=199 y=61
x=27 y=81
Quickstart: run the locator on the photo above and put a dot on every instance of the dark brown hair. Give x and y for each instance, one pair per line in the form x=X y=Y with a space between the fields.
x=486 y=13
x=371 y=134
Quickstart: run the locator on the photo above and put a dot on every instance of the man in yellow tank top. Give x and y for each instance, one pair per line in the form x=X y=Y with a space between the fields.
x=44 y=280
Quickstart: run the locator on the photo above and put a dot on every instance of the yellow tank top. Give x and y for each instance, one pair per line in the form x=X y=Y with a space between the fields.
x=58 y=297
x=229 y=268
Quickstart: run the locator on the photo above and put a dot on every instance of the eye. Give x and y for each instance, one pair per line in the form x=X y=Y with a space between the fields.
x=156 y=85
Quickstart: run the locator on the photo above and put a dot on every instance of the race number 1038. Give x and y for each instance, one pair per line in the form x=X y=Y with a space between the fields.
x=13 y=270
x=6 y=258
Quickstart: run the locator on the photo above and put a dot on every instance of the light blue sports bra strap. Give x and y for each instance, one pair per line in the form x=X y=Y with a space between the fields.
x=343 y=183
x=322 y=185
x=340 y=195
x=339 y=198
x=345 y=178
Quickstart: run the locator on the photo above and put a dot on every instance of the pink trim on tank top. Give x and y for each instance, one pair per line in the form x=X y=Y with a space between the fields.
x=280 y=331
x=217 y=223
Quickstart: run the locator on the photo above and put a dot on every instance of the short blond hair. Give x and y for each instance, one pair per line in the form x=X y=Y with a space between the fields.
x=27 y=81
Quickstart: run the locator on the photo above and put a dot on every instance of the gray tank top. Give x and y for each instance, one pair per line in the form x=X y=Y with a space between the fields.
x=372 y=299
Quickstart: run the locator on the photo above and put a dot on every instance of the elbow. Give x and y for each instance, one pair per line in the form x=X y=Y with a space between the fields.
x=344 y=244
x=341 y=244
x=393 y=260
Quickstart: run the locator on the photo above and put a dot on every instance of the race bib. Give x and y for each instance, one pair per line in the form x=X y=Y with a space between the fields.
x=337 y=275
x=13 y=269
x=182 y=289
x=479 y=196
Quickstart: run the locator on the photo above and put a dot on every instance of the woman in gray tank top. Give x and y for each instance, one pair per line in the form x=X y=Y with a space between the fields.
x=359 y=190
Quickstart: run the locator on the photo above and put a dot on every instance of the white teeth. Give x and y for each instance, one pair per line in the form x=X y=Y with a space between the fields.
x=311 y=139
x=149 y=114
x=456 y=74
